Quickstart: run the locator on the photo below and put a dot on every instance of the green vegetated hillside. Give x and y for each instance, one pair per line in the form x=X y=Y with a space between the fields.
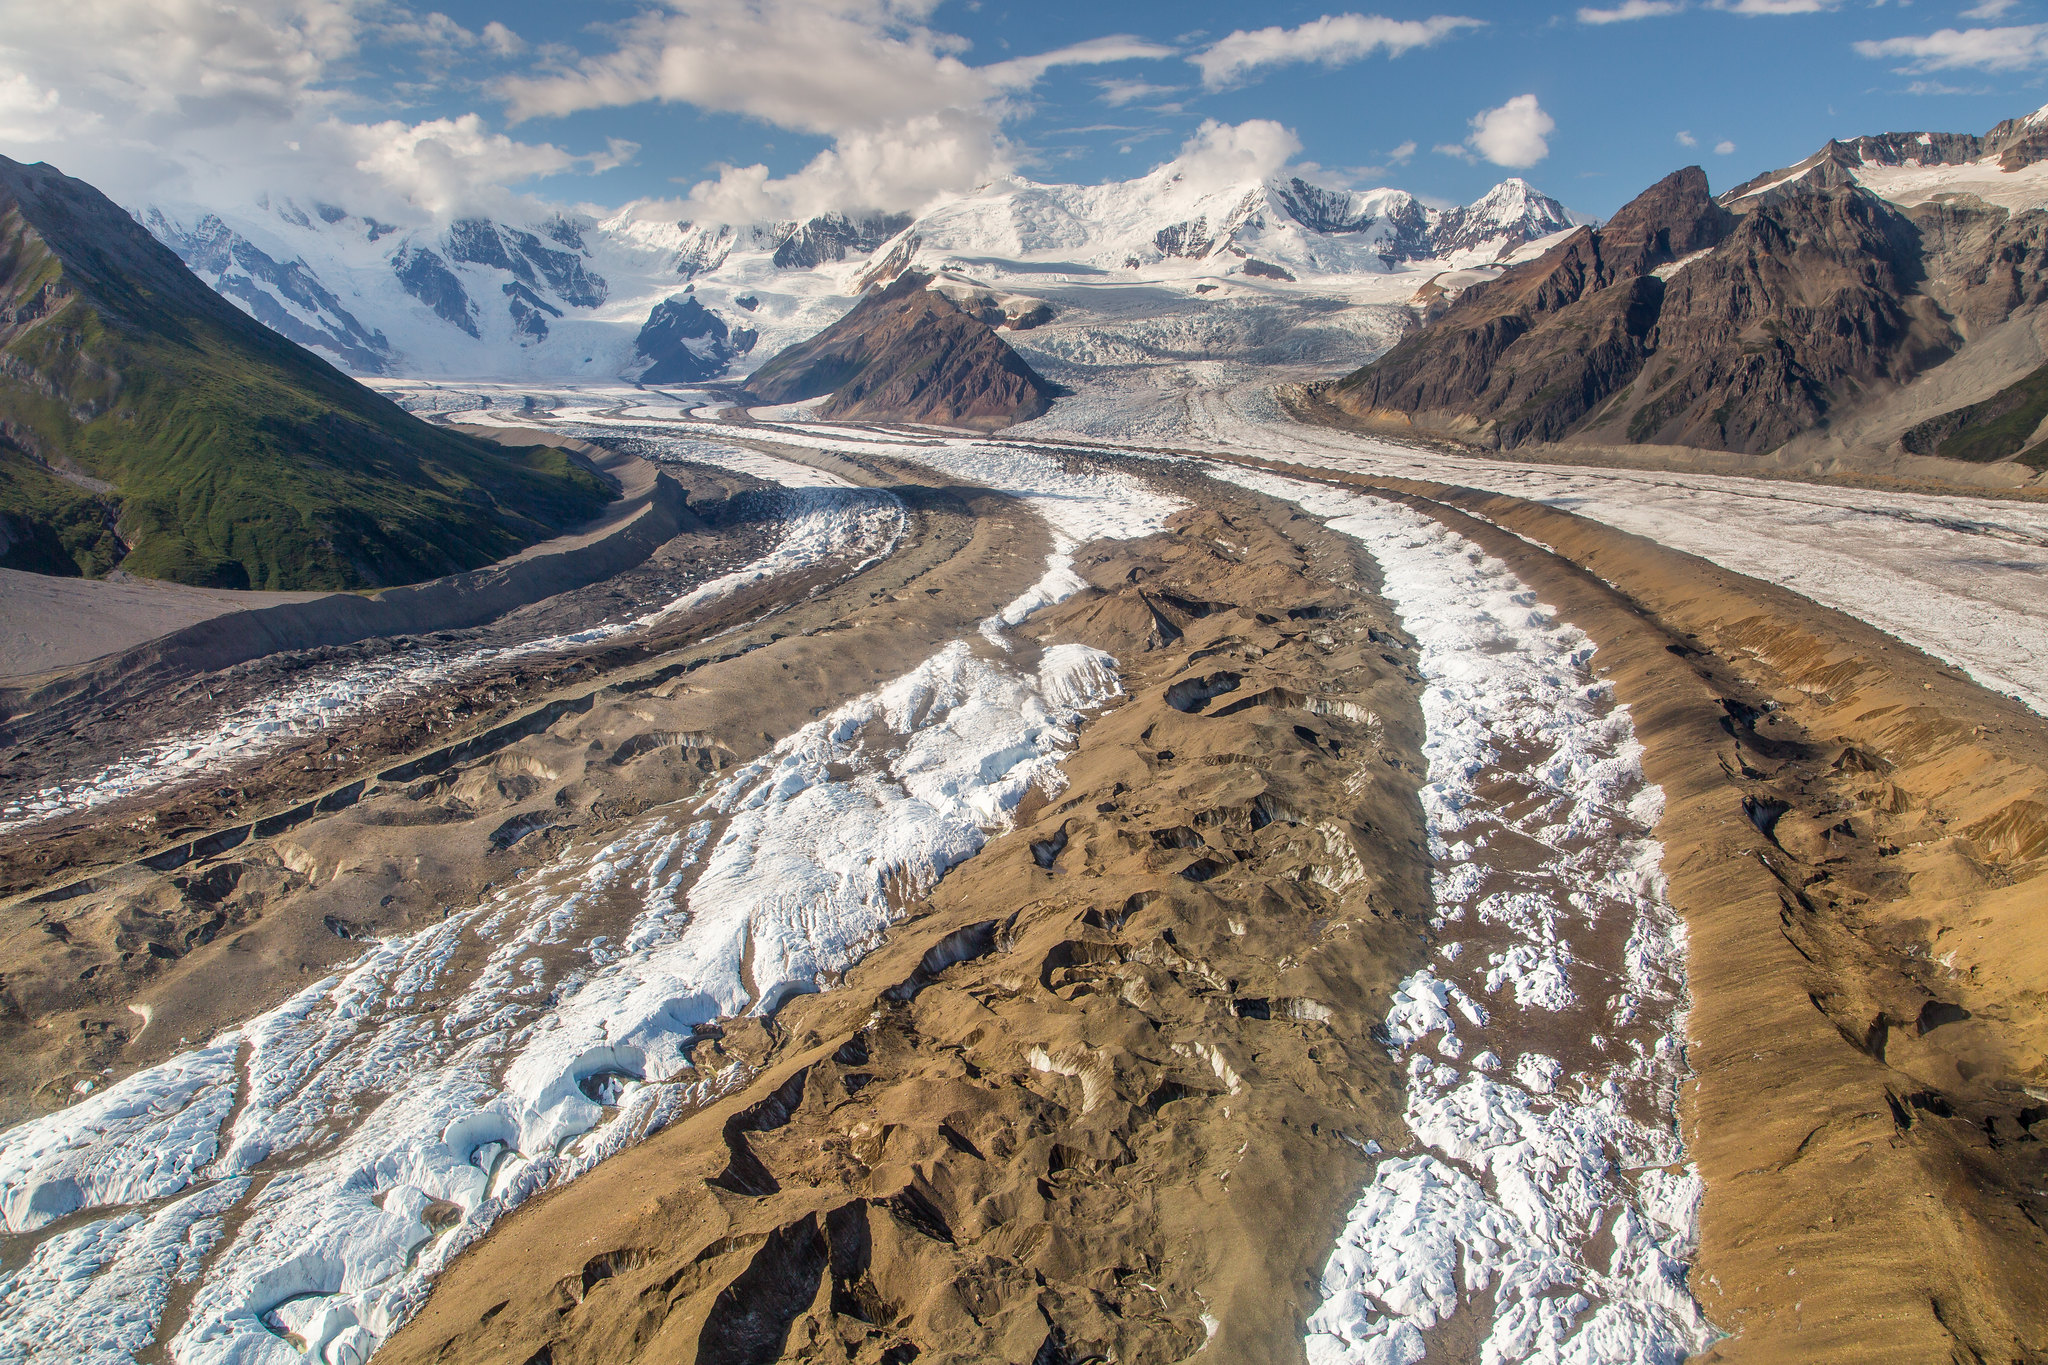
x=147 y=423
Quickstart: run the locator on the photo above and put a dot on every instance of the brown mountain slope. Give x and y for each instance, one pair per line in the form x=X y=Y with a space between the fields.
x=907 y=354
x=1801 y=307
x=1528 y=356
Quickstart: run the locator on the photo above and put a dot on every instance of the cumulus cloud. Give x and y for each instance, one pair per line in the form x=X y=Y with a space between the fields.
x=446 y=165
x=1516 y=134
x=1332 y=40
x=1630 y=9
x=909 y=117
x=1724 y=149
x=2011 y=48
x=199 y=102
x=900 y=165
x=502 y=40
x=1228 y=154
x=1686 y=139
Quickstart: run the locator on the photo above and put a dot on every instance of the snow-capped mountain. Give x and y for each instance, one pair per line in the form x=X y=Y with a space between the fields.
x=2006 y=167
x=642 y=297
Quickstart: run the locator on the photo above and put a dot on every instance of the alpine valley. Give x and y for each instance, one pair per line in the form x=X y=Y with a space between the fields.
x=1173 y=771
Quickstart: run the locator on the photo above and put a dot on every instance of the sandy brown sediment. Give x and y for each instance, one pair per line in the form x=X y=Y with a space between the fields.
x=1855 y=834
x=1107 y=1090
x=228 y=934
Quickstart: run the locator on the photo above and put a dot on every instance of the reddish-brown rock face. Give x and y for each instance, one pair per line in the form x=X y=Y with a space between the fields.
x=907 y=354
x=1734 y=325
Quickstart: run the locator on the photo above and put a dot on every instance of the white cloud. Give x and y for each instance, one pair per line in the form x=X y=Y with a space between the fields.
x=1332 y=40
x=1991 y=9
x=1776 y=6
x=1020 y=73
x=1118 y=93
x=900 y=165
x=502 y=40
x=203 y=101
x=1724 y=149
x=1686 y=139
x=1220 y=154
x=197 y=102
x=909 y=118
x=446 y=166
x=1402 y=154
x=2012 y=48
x=1516 y=134
x=1630 y=9
x=30 y=112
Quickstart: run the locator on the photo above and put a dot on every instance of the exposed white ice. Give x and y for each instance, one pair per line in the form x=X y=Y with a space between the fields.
x=1963 y=578
x=1552 y=1205
x=821 y=519
x=403 y=1106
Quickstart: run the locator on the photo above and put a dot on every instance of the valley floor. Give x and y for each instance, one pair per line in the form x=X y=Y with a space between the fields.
x=1162 y=878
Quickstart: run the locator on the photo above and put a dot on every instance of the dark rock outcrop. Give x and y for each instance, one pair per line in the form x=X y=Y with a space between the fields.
x=426 y=277
x=906 y=353
x=683 y=342
x=834 y=237
x=477 y=241
x=530 y=312
x=260 y=282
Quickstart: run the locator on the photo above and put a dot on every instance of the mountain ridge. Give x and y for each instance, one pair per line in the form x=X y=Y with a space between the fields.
x=907 y=353
x=572 y=297
x=146 y=422
x=1832 y=308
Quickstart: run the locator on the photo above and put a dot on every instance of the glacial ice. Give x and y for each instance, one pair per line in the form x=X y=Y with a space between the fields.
x=1498 y=1204
x=400 y=1086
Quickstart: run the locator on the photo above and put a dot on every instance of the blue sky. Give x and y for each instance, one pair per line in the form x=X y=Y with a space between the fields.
x=763 y=107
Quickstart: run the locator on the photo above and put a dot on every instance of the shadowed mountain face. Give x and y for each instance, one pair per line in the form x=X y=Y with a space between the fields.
x=907 y=354
x=145 y=422
x=1789 y=306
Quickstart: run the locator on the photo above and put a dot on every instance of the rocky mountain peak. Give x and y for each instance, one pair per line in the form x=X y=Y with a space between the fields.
x=1673 y=218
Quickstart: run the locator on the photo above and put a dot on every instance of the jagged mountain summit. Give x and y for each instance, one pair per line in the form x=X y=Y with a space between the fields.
x=147 y=424
x=610 y=298
x=1879 y=301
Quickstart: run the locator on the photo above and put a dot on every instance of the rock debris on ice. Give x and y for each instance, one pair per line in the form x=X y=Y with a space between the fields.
x=1499 y=1208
